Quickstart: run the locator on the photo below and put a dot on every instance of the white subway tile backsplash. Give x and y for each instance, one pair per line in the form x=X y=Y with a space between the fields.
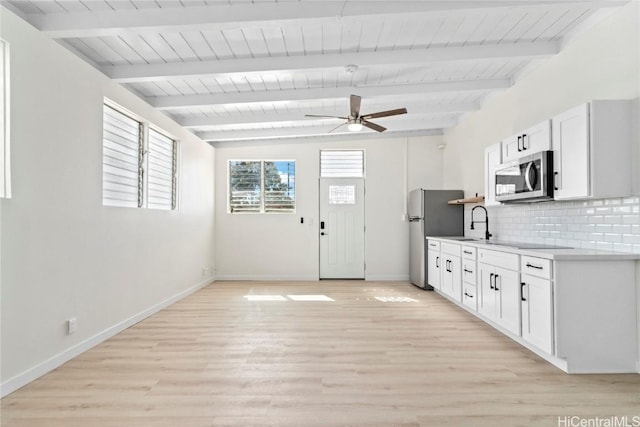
x=610 y=224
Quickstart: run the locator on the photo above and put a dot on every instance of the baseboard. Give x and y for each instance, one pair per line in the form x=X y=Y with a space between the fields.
x=49 y=365
x=262 y=278
x=386 y=278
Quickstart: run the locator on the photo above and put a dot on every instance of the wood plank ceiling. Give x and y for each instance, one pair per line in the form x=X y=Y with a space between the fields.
x=250 y=70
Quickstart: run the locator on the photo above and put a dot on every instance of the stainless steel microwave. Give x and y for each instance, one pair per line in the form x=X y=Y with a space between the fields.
x=528 y=179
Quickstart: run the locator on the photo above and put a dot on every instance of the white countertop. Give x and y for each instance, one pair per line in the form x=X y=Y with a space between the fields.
x=555 y=254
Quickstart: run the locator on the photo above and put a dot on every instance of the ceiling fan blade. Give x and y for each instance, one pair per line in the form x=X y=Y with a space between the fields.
x=337 y=127
x=385 y=113
x=355 y=105
x=326 y=117
x=373 y=126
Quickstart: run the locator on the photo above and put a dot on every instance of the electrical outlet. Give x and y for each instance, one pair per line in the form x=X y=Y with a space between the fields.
x=72 y=325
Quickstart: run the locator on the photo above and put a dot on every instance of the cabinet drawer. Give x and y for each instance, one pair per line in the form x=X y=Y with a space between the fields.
x=433 y=245
x=449 y=248
x=469 y=271
x=469 y=296
x=539 y=267
x=469 y=252
x=500 y=259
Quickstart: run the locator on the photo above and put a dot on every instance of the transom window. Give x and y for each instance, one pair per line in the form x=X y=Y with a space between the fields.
x=262 y=186
x=342 y=163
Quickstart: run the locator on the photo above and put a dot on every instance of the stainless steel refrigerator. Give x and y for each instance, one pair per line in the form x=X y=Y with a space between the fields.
x=431 y=215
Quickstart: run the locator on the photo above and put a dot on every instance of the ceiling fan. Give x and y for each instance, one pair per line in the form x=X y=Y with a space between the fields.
x=355 y=121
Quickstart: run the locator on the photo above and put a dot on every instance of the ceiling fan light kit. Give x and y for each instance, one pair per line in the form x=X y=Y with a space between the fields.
x=355 y=121
x=354 y=126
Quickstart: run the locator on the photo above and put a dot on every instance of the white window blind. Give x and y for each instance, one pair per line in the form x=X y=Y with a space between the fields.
x=279 y=186
x=245 y=185
x=161 y=171
x=341 y=163
x=262 y=186
x=5 y=175
x=121 y=160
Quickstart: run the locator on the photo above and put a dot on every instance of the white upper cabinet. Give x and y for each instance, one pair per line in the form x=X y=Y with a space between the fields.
x=592 y=151
x=492 y=159
x=533 y=140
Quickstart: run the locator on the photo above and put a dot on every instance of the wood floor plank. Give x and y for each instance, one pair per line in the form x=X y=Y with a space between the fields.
x=217 y=359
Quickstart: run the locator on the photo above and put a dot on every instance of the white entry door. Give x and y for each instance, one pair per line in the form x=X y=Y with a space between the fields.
x=341 y=228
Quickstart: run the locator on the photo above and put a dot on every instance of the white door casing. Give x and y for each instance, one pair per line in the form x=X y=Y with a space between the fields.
x=341 y=228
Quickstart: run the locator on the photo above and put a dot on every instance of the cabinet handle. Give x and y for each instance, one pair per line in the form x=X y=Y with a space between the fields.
x=495 y=282
x=519 y=141
x=522 y=285
x=534 y=266
x=555 y=181
x=468 y=271
x=468 y=295
x=433 y=245
x=437 y=262
x=491 y=281
x=467 y=252
x=524 y=136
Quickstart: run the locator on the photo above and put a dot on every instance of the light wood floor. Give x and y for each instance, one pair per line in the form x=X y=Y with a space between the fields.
x=215 y=359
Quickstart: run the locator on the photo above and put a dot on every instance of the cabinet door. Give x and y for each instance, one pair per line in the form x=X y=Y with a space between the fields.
x=486 y=291
x=446 y=283
x=537 y=138
x=434 y=263
x=511 y=148
x=537 y=312
x=571 y=153
x=492 y=159
x=456 y=278
x=508 y=291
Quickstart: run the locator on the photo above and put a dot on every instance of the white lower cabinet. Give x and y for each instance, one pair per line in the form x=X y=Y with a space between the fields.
x=537 y=312
x=433 y=264
x=499 y=298
x=577 y=311
x=451 y=278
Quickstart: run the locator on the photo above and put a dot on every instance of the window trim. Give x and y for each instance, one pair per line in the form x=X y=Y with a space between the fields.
x=262 y=194
x=143 y=157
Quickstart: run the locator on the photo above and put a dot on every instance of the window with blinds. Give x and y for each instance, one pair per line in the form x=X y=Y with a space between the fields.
x=5 y=181
x=121 y=160
x=259 y=186
x=139 y=163
x=280 y=186
x=161 y=171
x=245 y=186
x=342 y=163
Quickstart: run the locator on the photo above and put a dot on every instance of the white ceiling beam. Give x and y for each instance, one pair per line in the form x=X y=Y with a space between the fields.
x=225 y=16
x=187 y=101
x=243 y=119
x=290 y=64
x=304 y=131
x=352 y=136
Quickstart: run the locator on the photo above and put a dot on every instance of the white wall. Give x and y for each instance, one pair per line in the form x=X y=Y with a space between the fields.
x=278 y=247
x=64 y=254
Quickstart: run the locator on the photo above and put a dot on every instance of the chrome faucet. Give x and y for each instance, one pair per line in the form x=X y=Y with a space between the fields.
x=486 y=221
